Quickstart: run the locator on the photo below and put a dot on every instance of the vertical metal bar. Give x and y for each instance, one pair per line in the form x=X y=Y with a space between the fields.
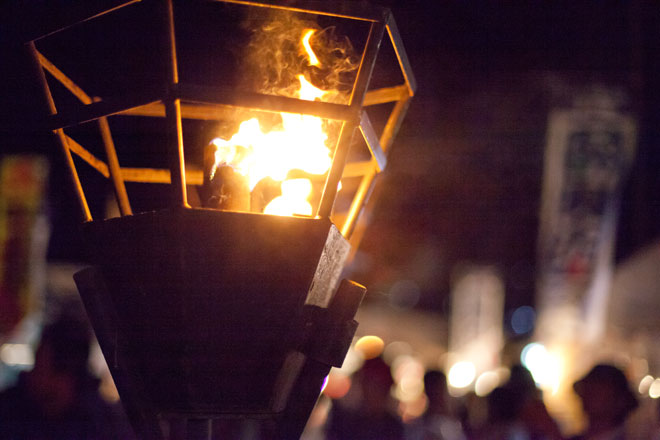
x=59 y=133
x=360 y=198
x=173 y=113
x=367 y=63
x=394 y=123
x=336 y=170
x=113 y=167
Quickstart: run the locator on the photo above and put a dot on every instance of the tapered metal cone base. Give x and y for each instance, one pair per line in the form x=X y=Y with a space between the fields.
x=204 y=314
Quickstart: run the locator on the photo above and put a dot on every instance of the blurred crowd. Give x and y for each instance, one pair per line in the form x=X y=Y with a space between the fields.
x=513 y=411
x=60 y=400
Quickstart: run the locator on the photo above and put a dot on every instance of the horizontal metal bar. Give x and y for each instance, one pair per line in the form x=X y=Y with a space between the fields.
x=99 y=109
x=63 y=79
x=270 y=103
x=88 y=157
x=372 y=141
x=385 y=95
x=400 y=51
x=352 y=10
x=154 y=175
x=207 y=112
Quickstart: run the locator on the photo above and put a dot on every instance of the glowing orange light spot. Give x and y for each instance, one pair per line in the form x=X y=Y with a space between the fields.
x=370 y=346
x=337 y=385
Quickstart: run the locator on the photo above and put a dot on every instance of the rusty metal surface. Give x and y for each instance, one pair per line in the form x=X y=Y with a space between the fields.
x=331 y=263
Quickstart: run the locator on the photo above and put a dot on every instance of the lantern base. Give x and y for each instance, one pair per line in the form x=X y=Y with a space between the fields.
x=205 y=315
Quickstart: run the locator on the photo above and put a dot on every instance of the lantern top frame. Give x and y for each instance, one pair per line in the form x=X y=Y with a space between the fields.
x=177 y=100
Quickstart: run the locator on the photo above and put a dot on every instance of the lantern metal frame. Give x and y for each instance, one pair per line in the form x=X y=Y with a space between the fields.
x=178 y=100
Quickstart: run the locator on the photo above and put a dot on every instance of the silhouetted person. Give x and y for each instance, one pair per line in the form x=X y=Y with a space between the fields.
x=516 y=411
x=373 y=419
x=438 y=422
x=59 y=399
x=607 y=402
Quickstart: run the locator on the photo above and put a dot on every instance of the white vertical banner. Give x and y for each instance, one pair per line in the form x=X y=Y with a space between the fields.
x=475 y=332
x=589 y=150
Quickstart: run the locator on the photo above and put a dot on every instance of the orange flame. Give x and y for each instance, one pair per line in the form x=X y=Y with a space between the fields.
x=300 y=143
x=313 y=60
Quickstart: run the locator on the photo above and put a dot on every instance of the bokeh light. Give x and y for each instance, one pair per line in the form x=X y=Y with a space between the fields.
x=404 y=294
x=645 y=384
x=486 y=382
x=408 y=373
x=461 y=374
x=337 y=384
x=370 y=346
x=522 y=320
x=352 y=362
x=17 y=355
x=654 y=389
x=544 y=366
x=395 y=349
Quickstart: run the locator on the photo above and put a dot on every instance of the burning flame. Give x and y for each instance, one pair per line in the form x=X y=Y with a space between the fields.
x=300 y=143
x=313 y=60
x=293 y=199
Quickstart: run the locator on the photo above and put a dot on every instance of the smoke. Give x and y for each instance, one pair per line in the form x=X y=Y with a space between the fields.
x=275 y=56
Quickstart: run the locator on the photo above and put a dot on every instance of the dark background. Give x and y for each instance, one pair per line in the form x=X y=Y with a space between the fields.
x=466 y=172
x=464 y=179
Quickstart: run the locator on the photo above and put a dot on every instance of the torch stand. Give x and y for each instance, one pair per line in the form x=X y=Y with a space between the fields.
x=207 y=315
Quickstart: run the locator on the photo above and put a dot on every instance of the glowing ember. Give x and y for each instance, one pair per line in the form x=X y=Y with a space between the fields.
x=299 y=143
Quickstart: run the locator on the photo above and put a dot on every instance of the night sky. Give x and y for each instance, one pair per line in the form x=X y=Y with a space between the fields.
x=465 y=173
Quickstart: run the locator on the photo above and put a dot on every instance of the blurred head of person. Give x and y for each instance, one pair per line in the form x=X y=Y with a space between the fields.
x=60 y=366
x=376 y=381
x=606 y=395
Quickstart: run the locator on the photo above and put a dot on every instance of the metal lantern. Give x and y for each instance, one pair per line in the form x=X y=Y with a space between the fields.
x=211 y=315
